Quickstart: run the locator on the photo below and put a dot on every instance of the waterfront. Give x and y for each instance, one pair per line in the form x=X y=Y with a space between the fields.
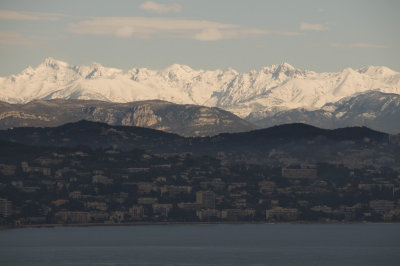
x=223 y=244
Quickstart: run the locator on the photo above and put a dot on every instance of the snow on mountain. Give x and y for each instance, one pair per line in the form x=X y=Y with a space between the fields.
x=373 y=109
x=273 y=88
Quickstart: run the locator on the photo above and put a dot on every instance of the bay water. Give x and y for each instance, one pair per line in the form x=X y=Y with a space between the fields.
x=211 y=244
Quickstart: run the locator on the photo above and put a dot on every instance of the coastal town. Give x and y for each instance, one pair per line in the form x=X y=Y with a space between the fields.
x=47 y=186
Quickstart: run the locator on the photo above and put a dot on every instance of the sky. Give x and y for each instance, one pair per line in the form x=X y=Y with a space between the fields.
x=203 y=34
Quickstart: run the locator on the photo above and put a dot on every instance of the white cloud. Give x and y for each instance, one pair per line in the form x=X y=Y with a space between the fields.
x=212 y=34
x=289 y=33
x=358 y=45
x=160 y=8
x=124 y=31
x=314 y=27
x=142 y=27
x=18 y=15
x=367 y=45
x=15 y=38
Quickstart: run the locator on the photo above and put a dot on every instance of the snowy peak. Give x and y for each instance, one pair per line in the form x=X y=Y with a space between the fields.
x=178 y=72
x=377 y=70
x=280 y=67
x=276 y=87
x=284 y=68
x=96 y=70
x=283 y=71
x=178 y=68
x=52 y=63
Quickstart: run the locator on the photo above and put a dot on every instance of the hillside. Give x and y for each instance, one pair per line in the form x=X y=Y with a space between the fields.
x=185 y=120
x=374 y=109
x=286 y=144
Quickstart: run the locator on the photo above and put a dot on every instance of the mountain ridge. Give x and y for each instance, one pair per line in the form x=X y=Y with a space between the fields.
x=374 y=109
x=277 y=87
x=270 y=145
x=186 y=120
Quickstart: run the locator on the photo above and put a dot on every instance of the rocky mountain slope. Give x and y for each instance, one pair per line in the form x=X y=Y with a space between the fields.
x=374 y=109
x=185 y=120
x=274 y=88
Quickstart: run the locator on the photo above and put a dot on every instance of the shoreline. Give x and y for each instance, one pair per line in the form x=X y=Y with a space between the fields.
x=9 y=227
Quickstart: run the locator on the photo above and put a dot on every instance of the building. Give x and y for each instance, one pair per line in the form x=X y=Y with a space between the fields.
x=137 y=170
x=6 y=169
x=144 y=187
x=72 y=217
x=266 y=187
x=236 y=185
x=236 y=214
x=206 y=199
x=161 y=209
x=101 y=179
x=76 y=195
x=208 y=214
x=281 y=214
x=30 y=169
x=117 y=216
x=215 y=184
x=303 y=173
x=322 y=208
x=147 y=201
x=240 y=203
x=176 y=190
x=136 y=212
x=99 y=216
x=96 y=205
x=5 y=207
x=189 y=205
x=381 y=206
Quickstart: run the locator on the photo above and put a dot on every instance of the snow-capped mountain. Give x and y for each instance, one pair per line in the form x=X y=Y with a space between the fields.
x=373 y=109
x=277 y=87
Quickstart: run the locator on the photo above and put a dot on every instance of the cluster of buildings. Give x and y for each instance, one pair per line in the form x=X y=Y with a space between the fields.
x=109 y=186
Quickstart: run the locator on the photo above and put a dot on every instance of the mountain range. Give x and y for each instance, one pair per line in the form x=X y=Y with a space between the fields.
x=273 y=95
x=185 y=120
x=277 y=87
x=373 y=109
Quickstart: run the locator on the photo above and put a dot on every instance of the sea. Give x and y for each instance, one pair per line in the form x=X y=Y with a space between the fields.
x=204 y=244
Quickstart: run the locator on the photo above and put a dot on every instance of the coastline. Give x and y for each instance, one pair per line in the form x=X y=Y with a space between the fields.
x=9 y=227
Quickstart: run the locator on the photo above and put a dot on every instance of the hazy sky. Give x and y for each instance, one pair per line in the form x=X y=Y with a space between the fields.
x=244 y=35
